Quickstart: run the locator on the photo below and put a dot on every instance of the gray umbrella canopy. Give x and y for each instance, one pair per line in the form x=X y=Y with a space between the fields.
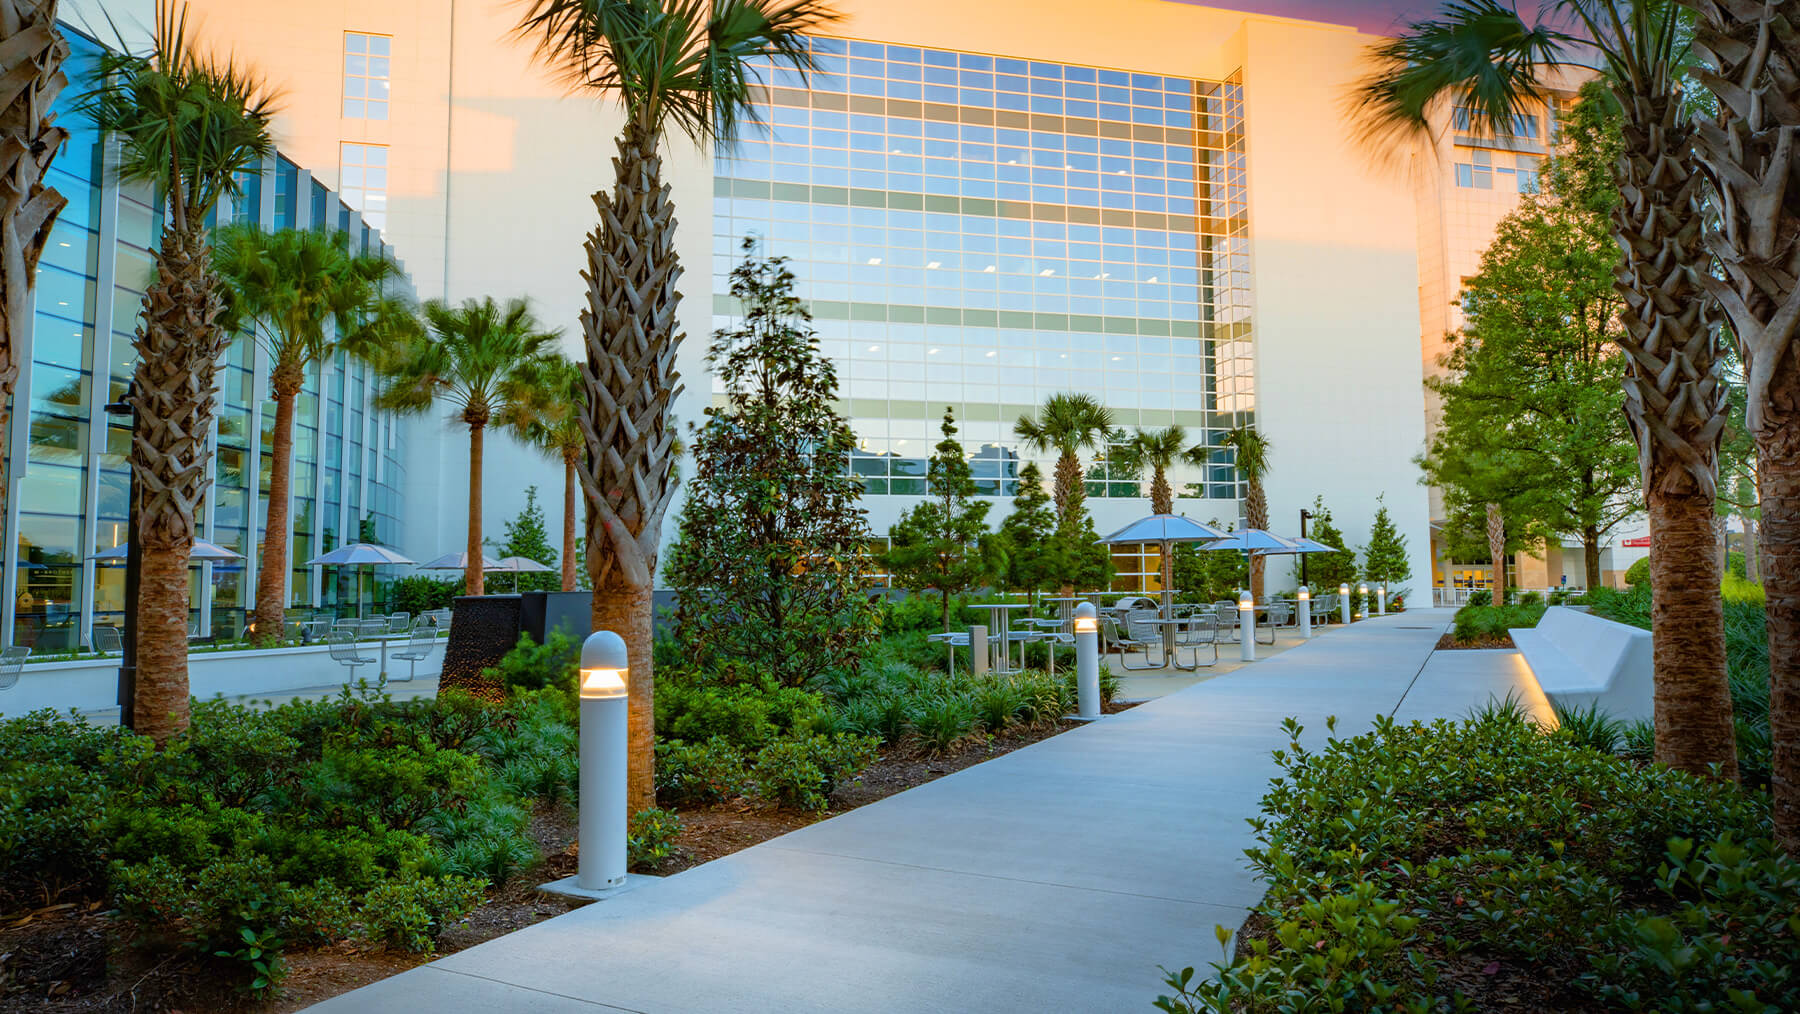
x=459 y=561
x=358 y=553
x=1254 y=540
x=1164 y=528
x=1306 y=545
x=203 y=550
x=518 y=565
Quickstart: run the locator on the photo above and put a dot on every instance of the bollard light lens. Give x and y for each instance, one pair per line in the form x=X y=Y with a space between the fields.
x=1343 y=589
x=1086 y=619
x=1305 y=596
x=1245 y=603
x=604 y=671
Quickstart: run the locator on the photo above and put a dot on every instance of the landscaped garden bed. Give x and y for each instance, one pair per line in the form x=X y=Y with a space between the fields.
x=1486 y=865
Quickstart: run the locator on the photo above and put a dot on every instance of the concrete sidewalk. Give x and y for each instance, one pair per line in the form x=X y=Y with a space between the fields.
x=1054 y=878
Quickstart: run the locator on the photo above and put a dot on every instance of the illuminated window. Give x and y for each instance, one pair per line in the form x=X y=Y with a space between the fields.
x=366 y=76
x=363 y=180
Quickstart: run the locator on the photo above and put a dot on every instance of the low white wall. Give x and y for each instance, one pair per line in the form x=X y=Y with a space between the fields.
x=93 y=684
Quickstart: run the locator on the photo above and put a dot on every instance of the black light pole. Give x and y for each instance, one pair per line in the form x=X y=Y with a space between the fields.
x=1304 y=514
x=134 y=562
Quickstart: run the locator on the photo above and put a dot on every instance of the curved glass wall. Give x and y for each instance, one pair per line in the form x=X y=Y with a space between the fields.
x=66 y=458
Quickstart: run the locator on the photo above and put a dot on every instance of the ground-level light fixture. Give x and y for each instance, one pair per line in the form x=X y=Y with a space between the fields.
x=1303 y=606
x=1344 y=602
x=605 y=686
x=1362 y=601
x=1087 y=661
x=1246 y=626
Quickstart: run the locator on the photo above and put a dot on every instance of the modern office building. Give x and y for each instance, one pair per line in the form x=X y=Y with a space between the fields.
x=67 y=455
x=1170 y=208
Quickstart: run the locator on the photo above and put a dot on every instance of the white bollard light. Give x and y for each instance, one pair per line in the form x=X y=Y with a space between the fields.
x=1381 y=600
x=602 y=820
x=1344 y=602
x=978 y=649
x=1087 y=661
x=1304 y=605
x=1362 y=601
x=1246 y=626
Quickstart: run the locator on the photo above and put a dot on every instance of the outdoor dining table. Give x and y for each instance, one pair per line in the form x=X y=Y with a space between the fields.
x=1171 y=628
x=1065 y=609
x=999 y=614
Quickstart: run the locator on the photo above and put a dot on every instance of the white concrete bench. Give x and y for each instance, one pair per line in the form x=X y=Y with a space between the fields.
x=1581 y=659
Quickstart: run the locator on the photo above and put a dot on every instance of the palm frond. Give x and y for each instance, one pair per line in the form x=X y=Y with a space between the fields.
x=1066 y=423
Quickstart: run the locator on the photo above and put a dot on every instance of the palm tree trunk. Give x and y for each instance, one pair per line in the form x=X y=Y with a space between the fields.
x=1778 y=490
x=1068 y=490
x=630 y=328
x=1256 y=512
x=1496 y=535
x=568 y=549
x=1676 y=407
x=178 y=346
x=474 y=582
x=1752 y=551
x=271 y=578
x=1162 y=497
x=29 y=140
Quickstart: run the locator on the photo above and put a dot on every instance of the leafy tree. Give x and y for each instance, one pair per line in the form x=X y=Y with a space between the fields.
x=1530 y=418
x=1206 y=575
x=1384 y=558
x=1484 y=55
x=187 y=124
x=1328 y=570
x=303 y=295
x=29 y=141
x=769 y=562
x=528 y=536
x=1252 y=458
x=943 y=542
x=1027 y=535
x=480 y=356
x=669 y=63
x=1082 y=563
x=1067 y=424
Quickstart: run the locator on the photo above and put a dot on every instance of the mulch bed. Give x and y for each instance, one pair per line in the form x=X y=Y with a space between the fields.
x=72 y=959
x=1449 y=643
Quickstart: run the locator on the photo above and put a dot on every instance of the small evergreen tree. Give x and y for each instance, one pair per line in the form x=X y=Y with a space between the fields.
x=1384 y=558
x=943 y=542
x=1326 y=571
x=1027 y=534
x=1081 y=562
x=527 y=536
x=768 y=566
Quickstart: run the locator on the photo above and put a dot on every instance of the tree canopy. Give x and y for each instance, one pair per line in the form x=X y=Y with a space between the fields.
x=943 y=542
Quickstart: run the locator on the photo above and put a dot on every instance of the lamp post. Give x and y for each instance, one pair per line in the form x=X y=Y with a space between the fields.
x=1344 y=602
x=1087 y=661
x=605 y=675
x=1305 y=515
x=1246 y=626
x=1362 y=601
x=1381 y=601
x=1304 y=605
x=134 y=564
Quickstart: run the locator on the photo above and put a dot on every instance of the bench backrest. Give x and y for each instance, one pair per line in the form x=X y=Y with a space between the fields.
x=1599 y=646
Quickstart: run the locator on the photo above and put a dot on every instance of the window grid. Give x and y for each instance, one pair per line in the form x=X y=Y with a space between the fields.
x=1057 y=228
x=363 y=180
x=366 y=75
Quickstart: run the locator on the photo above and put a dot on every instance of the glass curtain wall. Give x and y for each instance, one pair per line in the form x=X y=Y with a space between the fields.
x=67 y=459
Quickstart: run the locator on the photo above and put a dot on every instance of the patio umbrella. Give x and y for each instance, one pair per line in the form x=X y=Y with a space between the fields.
x=1253 y=541
x=516 y=565
x=459 y=561
x=358 y=554
x=203 y=550
x=1165 y=530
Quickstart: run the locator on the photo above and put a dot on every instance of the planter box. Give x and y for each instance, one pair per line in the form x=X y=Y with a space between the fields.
x=93 y=684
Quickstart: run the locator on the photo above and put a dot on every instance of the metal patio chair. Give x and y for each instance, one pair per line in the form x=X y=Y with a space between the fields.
x=345 y=651
x=1199 y=631
x=109 y=641
x=12 y=664
x=418 y=647
x=1120 y=638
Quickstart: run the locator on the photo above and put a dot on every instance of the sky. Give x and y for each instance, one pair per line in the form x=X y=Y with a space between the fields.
x=1382 y=16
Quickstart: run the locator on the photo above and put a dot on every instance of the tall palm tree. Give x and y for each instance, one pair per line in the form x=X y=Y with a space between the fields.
x=685 y=64
x=1068 y=424
x=1157 y=449
x=187 y=123
x=1481 y=53
x=1251 y=450
x=551 y=422
x=480 y=356
x=1751 y=57
x=31 y=61
x=304 y=295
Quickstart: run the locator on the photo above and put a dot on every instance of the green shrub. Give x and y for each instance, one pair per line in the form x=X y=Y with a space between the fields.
x=650 y=842
x=689 y=774
x=533 y=666
x=1398 y=859
x=1475 y=624
x=1638 y=574
x=738 y=715
x=998 y=704
x=1481 y=597
x=940 y=721
x=50 y=844
x=419 y=594
x=1589 y=727
x=409 y=914
x=801 y=772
